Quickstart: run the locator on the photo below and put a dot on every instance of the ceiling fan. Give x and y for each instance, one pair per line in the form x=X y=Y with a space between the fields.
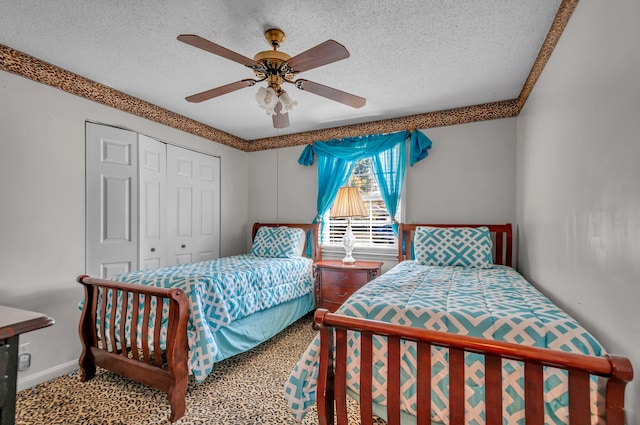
x=276 y=68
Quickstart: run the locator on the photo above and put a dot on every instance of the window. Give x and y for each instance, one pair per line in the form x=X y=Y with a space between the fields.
x=371 y=231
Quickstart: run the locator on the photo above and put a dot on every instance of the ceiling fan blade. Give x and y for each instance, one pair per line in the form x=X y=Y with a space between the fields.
x=331 y=93
x=323 y=54
x=219 y=91
x=216 y=49
x=280 y=120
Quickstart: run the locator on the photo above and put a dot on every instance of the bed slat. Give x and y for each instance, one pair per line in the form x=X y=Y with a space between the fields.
x=157 y=327
x=579 y=397
x=493 y=389
x=123 y=323
x=112 y=322
x=103 y=319
x=456 y=386
x=133 y=329
x=498 y=250
x=423 y=387
x=145 y=329
x=366 y=365
x=393 y=381
x=341 y=376
x=533 y=400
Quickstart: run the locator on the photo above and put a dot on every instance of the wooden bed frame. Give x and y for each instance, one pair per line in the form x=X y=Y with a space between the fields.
x=332 y=393
x=166 y=371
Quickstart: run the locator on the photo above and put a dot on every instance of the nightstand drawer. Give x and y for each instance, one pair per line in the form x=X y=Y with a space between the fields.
x=332 y=307
x=337 y=293
x=336 y=282
x=345 y=277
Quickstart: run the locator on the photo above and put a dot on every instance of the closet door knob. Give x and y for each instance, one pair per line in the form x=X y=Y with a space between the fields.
x=183 y=246
x=153 y=250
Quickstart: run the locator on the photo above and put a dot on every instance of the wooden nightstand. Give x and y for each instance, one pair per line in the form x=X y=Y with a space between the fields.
x=336 y=282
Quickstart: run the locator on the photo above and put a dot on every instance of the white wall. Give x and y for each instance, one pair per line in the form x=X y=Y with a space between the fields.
x=578 y=190
x=468 y=177
x=42 y=170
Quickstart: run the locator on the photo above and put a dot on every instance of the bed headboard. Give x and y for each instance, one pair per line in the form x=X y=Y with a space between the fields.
x=311 y=230
x=501 y=234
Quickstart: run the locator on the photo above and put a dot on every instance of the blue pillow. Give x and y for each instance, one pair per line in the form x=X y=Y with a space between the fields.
x=453 y=246
x=278 y=242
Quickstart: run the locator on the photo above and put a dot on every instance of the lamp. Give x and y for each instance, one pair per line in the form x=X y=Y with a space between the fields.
x=348 y=204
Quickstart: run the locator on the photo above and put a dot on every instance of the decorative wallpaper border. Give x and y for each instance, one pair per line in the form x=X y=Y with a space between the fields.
x=42 y=72
x=29 y=67
x=557 y=27
x=487 y=111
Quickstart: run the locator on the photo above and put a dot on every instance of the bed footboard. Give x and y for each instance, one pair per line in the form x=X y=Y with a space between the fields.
x=139 y=332
x=331 y=393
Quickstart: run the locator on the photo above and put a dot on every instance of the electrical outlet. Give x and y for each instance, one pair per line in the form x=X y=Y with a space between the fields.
x=24 y=357
x=24 y=361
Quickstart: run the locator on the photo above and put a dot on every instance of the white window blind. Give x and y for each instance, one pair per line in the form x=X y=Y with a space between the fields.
x=371 y=231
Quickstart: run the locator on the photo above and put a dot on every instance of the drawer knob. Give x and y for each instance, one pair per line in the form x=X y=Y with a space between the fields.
x=344 y=277
x=343 y=294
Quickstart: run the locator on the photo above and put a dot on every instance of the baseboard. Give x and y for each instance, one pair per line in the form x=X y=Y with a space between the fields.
x=46 y=375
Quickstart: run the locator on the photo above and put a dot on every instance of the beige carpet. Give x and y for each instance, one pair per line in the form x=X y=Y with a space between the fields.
x=246 y=389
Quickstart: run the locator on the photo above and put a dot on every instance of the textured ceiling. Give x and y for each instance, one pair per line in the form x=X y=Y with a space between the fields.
x=409 y=57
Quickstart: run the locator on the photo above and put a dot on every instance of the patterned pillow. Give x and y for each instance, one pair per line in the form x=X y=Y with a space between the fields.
x=278 y=242
x=454 y=246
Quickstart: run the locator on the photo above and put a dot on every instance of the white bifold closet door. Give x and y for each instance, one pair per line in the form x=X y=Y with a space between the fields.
x=193 y=206
x=149 y=204
x=153 y=202
x=111 y=184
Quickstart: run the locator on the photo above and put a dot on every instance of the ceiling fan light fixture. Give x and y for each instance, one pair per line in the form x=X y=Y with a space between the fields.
x=275 y=68
x=287 y=103
x=267 y=99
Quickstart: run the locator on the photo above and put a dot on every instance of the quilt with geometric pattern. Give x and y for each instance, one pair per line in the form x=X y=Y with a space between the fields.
x=223 y=290
x=495 y=303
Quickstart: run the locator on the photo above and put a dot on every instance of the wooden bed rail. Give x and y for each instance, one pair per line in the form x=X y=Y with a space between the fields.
x=332 y=373
x=126 y=350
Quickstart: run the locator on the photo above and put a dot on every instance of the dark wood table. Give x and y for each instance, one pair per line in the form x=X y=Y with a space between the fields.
x=14 y=322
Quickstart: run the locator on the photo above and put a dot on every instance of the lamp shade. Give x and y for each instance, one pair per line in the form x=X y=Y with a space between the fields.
x=267 y=99
x=348 y=203
x=287 y=103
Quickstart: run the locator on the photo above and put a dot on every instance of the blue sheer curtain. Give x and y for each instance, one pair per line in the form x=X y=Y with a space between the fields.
x=418 y=147
x=337 y=157
x=389 y=169
x=333 y=173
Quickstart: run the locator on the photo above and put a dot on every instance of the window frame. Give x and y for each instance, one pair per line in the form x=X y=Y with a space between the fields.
x=370 y=251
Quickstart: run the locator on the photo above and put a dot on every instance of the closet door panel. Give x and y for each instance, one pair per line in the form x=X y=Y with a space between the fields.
x=111 y=209
x=153 y=186
x=185 y=211
x=193 y=206
x=209 y=208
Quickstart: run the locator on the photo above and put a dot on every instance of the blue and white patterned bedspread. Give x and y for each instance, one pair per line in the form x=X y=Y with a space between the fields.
x=494 y=303
x=227 y=289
